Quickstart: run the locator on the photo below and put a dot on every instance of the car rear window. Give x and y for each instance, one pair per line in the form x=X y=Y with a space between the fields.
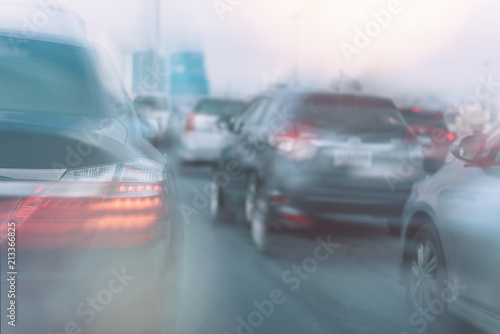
x=48 y=78
x=435 y=120
x=353 y=116
x=151 y=102
x=219 y=107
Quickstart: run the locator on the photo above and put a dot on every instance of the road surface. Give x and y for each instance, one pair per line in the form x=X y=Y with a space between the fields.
x=348 y=285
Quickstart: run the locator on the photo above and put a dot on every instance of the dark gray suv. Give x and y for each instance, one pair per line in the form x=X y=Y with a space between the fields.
x=298 y=160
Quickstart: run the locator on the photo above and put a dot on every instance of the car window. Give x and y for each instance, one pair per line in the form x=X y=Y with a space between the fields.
x=151 y=102
x=49 y=78
x=120 y=100
x=350 y=118
x=247 y=113
x=258 y=117
x=214 y=107
x=252 y=118
x=435 y=120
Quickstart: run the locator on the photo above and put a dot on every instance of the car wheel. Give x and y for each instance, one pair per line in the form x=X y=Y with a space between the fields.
x=218 y=210
x=260 y=229
x=426 y=281
x=250 y=198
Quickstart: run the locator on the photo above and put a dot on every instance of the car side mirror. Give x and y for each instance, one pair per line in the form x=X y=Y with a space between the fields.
x=470 y=148
x=224 y=123
x=234 y=125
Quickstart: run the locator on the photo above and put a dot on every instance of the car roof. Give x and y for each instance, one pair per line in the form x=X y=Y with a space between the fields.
x=42 y=23
x=321 y=97
x=151 y=95
x=221 y=99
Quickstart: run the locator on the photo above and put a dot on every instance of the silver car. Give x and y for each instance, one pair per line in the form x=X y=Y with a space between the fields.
x=451 y=240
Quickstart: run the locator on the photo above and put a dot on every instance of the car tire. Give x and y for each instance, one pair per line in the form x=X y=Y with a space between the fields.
x=218 y=210
x=426 y=284
x=250 y=198
x=262 y=233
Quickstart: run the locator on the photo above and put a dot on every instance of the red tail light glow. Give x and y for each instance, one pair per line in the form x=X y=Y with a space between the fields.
x=190 y=123
x=451 y=136
x=114 y=212
x=298 y=219
x=290 y=136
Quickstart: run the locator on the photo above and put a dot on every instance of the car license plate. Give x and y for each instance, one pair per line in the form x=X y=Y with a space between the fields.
x=424 y=140
x=352 y=158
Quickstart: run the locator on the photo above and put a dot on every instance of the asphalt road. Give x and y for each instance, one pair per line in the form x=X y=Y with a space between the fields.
x=228 y=287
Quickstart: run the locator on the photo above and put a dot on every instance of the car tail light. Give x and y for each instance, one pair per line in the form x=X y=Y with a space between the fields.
x=297 y=219
x=190 y=123
x=416 y=109
x=100 y=206
x=451 y=136
x=286 y=137
x=290 y=136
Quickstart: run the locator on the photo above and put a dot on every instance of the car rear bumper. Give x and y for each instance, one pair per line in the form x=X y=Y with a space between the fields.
x=200 y=155
x=305 y=202
x=101 y=290
x=201 y=147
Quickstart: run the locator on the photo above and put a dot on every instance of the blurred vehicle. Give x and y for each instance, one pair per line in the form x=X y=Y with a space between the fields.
x=308 y=159
x=432 y=132
x=90 y=227
x=451 y=237
x=205 y=128
x=156 y=107
x=150 y=129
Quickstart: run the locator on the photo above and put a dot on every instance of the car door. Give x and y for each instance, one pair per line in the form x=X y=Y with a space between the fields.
x=235 y=154
x=473 y=230
x=252 y=135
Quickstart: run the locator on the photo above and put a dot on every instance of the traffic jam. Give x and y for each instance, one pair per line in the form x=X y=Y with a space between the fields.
x=281 y=166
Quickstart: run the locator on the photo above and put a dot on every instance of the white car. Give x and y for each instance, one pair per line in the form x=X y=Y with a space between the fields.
x=156 y=107
x=204 y=132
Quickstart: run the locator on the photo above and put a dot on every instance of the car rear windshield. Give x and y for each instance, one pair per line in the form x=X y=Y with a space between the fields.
x=219 y=107
x=151 y=102
x=48 y=78
x=435 y=120
x=351 y=117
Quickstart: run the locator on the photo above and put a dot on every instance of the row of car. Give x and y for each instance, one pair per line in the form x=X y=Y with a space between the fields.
x=318 y=157
x=295 y=160
x=196 y=128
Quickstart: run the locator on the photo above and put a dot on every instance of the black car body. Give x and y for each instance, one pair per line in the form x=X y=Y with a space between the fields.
x=318 y=157
x=90 y=230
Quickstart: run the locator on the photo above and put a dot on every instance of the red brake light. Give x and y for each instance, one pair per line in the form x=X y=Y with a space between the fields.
x=451 y=136
x=286 y=136
x=416 y=109
x=298 y=219
x=126 y=212
x=190 y=123
x=291 y=136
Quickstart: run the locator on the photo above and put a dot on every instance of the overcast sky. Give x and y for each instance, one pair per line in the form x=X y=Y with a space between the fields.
x=432 y=45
